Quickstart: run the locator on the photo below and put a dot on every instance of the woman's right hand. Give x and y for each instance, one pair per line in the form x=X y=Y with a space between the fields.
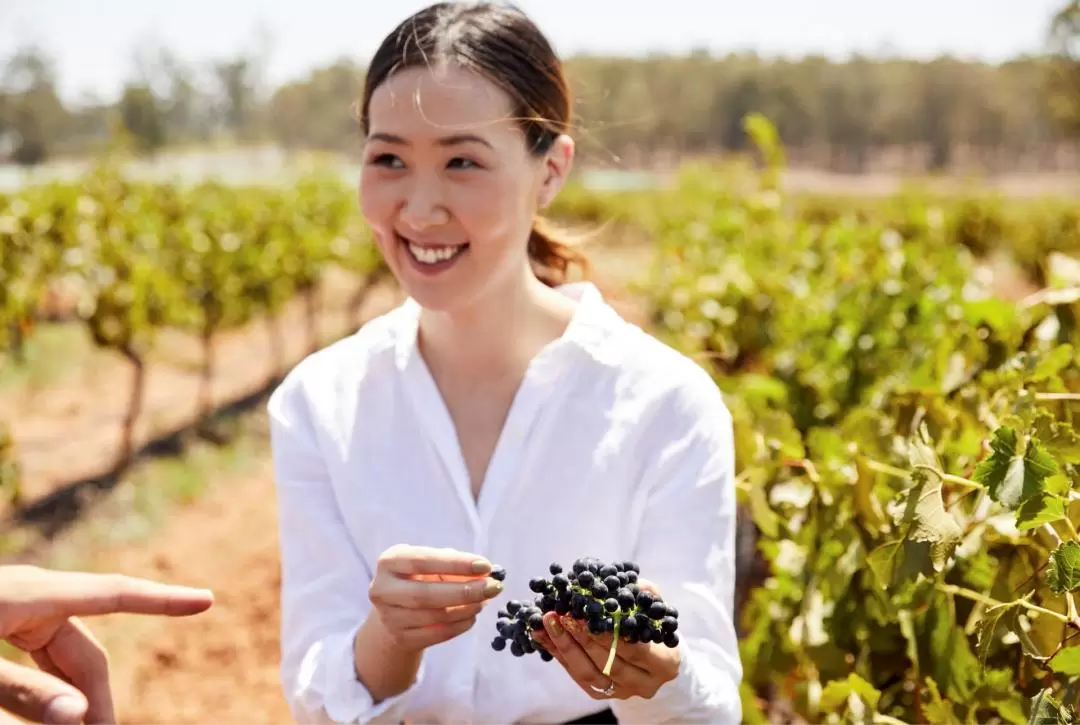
x=423 y=596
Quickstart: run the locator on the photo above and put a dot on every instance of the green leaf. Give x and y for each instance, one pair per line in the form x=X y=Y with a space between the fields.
x=1066 y=662
x=1058 y=438
x=1058 y=484
x=924 y=511
x=760 y=511
x=938 y=711
x=987 y=627
x=1028 y=643
x=854 y=694
x=1053 y=363
x=1013 y=477
x=998 y=692
x=1064 y=572
x=1046 y=710
x=867 y=505
x=882 y=562
x=1042 y=508
x=945 y=652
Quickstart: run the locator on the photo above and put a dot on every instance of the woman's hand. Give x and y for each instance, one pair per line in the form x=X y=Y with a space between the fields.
x=639 y=669
x=423 y=596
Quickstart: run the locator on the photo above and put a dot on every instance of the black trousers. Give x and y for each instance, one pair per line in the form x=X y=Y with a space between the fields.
x=604 y=717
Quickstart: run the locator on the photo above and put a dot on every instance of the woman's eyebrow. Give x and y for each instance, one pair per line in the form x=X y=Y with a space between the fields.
x=452 y=140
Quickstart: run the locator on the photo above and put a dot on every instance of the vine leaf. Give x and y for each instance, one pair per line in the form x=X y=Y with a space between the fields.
x=932 y=532
x=1057 y=437
x=1014 y=474
x=1066 y=662
x=987 y=627
x=1042 y=508
x=1047 y=710
x=1063 y=575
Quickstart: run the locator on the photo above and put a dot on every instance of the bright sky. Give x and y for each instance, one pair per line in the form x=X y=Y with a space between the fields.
x=93 y=40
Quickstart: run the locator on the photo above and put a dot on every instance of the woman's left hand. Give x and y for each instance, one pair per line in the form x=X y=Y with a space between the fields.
x=639 y=669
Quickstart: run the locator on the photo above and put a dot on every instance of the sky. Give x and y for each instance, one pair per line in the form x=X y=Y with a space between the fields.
x=93 y=41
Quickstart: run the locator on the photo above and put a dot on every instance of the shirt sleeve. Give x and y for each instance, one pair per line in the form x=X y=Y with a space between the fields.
x=686 y=547
x=324 y=580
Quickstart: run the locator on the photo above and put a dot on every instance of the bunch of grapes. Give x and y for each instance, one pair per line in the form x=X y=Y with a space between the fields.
x=605 y=595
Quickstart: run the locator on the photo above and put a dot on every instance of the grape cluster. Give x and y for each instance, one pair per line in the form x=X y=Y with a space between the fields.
x=605 y=595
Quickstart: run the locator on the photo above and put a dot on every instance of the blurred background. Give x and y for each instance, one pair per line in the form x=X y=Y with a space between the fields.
x=961 y=86
x=862 y=218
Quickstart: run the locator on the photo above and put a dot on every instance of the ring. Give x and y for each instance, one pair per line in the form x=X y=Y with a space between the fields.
x=606 y=692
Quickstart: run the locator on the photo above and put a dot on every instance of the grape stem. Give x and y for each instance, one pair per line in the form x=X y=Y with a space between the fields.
x=614 y=644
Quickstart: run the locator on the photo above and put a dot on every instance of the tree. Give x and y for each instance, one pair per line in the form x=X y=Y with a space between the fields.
x=142 y=117
x=1063 y=73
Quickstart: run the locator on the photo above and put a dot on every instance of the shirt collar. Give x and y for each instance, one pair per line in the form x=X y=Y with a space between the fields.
x=592 y=324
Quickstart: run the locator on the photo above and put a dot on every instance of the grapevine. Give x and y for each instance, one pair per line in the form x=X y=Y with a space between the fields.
x=607 y=596
x=135 y=258
x=906 y=441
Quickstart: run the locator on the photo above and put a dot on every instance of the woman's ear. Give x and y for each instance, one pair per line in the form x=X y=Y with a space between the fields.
x=557 y=164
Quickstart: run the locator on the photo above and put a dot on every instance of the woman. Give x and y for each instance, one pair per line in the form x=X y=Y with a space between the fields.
x=501 y=415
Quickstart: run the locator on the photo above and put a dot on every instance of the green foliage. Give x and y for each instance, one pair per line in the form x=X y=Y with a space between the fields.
x=143 y=257
x=906 y=445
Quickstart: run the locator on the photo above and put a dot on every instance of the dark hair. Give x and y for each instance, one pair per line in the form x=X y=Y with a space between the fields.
x=500 y=42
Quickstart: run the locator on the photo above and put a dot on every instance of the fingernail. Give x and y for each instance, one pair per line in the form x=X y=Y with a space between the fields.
x=492 y=587
x=481 y=566
x=64 y=710
x=553 y=626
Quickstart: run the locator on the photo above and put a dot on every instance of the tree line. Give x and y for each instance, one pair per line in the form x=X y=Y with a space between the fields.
x=858 y=115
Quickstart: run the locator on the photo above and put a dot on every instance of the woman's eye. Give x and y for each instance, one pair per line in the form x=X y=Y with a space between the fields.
x=388 y=160
x=463 y=163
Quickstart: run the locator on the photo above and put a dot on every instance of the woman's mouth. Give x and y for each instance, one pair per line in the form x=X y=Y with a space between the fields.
x=430 y=259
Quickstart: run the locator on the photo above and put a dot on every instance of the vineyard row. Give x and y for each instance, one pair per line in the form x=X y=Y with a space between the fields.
x=906 y=443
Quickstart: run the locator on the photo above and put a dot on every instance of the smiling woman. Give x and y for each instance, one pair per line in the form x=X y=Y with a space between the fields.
x=502 y=414
x=456 y=134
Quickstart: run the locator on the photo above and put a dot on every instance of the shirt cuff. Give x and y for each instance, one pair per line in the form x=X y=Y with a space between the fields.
x=329 y=683
x=700 y=693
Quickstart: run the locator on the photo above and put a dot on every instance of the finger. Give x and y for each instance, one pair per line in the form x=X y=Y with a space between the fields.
x=38 y=696
x=407 y=561
x=648 y=586
x=432 y=595
x=598 y=650
x=422 y=637
x=405 y=618
x=578 y=664
x=541 y=636
x=83 y=662
x=61 y=594
x=638 y=654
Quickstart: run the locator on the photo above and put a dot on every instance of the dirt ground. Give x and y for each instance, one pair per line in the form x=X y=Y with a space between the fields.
x=220 y=666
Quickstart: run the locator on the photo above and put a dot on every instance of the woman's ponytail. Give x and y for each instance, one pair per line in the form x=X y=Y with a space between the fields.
x=552 y=257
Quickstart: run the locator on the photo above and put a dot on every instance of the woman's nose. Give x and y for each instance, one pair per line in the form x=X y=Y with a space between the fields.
x=423 y=207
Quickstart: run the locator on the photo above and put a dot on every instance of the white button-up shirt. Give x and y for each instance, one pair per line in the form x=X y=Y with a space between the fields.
x=616 y=446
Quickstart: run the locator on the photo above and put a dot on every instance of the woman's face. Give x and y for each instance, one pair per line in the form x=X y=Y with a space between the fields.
x=449 y=188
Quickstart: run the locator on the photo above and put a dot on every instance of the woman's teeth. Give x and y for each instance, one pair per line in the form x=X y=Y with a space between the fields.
x=434 y=255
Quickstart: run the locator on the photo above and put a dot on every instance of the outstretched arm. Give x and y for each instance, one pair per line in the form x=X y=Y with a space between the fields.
x=39 y=611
